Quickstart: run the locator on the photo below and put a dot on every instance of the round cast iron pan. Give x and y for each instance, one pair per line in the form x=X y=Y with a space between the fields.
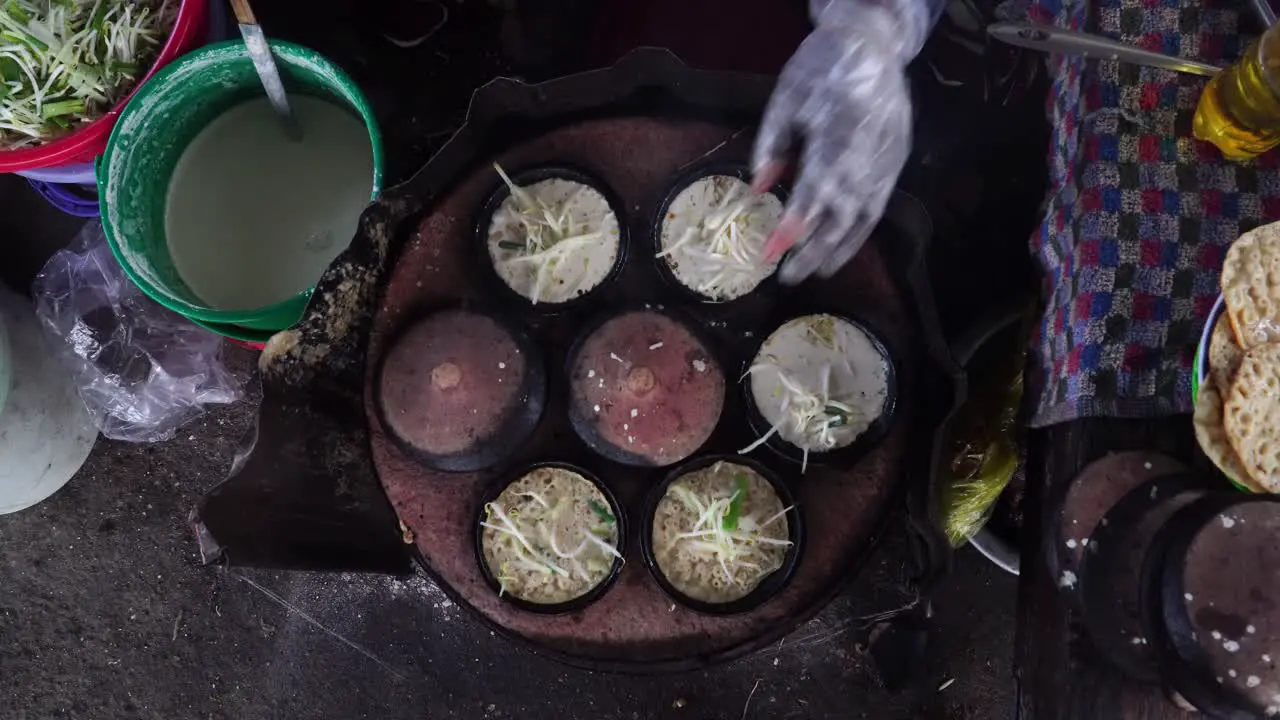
x=619 y=512
x=768 y=587
x=528 y=176
x=768 y=288
x=1110 y=589
x=1183 y=663
x=321 y=480
x=633 y=627
x=861 y=445
x=1074 y=510
x=515 y=429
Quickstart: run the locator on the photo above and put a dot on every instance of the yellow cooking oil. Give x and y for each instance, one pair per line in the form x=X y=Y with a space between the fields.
x=1239 y=110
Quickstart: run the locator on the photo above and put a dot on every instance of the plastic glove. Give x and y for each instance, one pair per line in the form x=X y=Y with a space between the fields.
x=844 y=95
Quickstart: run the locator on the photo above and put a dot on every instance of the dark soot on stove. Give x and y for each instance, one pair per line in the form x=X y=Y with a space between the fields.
x=451 y=381
x=645 y=390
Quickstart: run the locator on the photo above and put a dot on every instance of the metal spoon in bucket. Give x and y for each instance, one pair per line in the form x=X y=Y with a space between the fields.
x=268 y=73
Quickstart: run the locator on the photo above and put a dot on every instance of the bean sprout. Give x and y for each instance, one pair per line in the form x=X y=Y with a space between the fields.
x=64 y=63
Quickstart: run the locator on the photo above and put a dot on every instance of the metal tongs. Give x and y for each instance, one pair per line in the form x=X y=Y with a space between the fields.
x=1057 y=40
x=1047 y=38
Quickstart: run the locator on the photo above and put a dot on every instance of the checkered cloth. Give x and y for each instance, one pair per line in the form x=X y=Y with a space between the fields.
x=1140 y=214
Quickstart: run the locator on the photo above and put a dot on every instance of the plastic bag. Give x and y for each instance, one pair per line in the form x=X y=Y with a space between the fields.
x=141 y=370
x=984 y=453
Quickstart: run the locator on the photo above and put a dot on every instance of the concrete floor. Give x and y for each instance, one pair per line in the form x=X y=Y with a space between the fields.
x=105 y=612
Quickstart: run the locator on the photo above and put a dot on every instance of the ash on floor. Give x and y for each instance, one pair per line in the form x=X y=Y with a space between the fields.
x=106 y=613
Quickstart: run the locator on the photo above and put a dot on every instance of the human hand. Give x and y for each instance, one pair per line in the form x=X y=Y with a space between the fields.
x=844 y=96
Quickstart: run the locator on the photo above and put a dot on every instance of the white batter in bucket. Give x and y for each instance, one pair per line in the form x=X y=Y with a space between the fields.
x=253 y=218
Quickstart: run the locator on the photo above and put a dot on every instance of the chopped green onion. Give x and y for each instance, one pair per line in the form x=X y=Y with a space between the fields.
x=735 y=504
x=509 y=245
x=123 y=68
x=823 y=329
x=602 y=511
x=58 y=109
x=16 y=12
x=97 y=20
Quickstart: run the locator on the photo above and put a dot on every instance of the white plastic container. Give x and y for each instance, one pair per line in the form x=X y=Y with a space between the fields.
x=45 y=431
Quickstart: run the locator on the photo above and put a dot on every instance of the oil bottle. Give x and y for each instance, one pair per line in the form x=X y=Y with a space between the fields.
x=1239 y=110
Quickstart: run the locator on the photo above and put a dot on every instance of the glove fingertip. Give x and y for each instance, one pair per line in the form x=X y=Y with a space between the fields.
x=784 y=237
x=767 y=174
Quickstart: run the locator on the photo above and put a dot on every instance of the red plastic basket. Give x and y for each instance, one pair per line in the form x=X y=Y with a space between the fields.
x=83 y=144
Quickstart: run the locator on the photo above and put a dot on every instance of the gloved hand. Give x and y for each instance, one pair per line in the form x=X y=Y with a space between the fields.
x=844 y=96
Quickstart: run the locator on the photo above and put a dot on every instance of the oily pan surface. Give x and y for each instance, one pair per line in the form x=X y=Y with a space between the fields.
x=633 y=623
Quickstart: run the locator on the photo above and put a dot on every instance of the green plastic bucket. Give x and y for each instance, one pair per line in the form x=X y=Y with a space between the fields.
x=150 y=136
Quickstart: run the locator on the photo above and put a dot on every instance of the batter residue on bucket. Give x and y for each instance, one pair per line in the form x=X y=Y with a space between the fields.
x=253 y=218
